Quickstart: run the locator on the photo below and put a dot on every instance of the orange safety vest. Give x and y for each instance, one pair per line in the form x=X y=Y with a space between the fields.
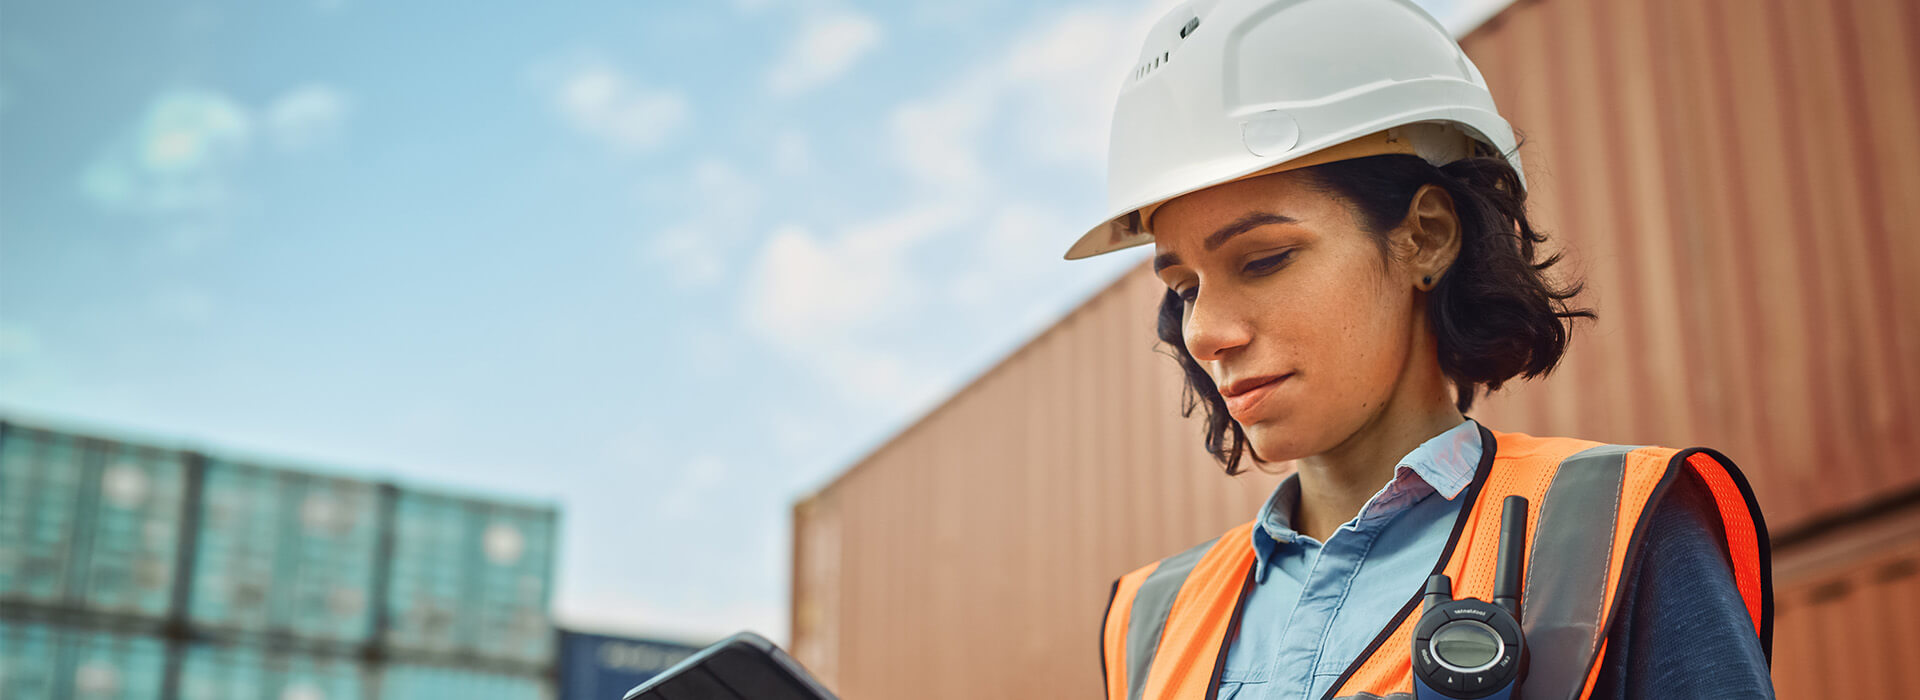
x=1169 y=622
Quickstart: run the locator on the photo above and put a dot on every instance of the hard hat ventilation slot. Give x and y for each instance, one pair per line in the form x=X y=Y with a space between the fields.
x=1147 y=68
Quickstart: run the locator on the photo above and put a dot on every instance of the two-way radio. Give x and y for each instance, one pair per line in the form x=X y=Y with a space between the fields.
x=1470 y=648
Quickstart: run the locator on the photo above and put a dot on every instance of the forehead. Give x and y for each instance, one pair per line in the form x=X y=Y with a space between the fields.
x=1185 y=223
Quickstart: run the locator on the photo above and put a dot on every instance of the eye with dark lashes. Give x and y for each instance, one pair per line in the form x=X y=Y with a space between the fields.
x=1258 y=266
x=1269 y=262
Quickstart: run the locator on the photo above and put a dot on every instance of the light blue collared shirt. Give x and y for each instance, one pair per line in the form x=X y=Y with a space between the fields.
x=1315 y=606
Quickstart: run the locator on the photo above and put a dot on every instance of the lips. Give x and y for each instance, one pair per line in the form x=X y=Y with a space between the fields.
x=1244 y=394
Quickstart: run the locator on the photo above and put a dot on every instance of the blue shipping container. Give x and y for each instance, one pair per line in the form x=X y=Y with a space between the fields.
x=599 y=667
x=88 y=523
x=471 y=578
x=43 y=662
x=285 y=551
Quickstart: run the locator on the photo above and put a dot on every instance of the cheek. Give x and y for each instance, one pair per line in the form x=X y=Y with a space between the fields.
x=1351 y=330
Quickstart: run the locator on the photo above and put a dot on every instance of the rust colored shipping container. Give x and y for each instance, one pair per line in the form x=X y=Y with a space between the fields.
x=1847 y=613
x=1736 y=181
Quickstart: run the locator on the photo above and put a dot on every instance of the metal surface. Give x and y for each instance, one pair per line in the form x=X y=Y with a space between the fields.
x=87 y=523
x=285 y=551
x=47 y=662
x=406 y=681
x=471 y=577
x=129 y=571
x=1847 y=614
x=248 y=672
x=1734 y=179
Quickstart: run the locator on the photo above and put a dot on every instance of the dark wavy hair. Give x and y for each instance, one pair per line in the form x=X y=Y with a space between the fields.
x=1494 y=314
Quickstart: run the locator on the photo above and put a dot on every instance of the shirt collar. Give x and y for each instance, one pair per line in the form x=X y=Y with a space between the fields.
x=1445 y=462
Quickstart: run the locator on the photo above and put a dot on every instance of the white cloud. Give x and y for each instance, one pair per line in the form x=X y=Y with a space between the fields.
x=825 y=48
x=176 y=156
x=808 y=286
x=833 y=301
x=828 y=302
x=805 y=288
x=698 y=480
x=792 y=153
x=1053 y=92
x=308 y=116
x=602 y=102
x=1063 y=81
x=1017 y=244
x=937 y=139
x=722 y=203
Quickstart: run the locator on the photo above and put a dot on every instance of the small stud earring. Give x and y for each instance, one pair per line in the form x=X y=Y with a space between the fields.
x=1428 y=280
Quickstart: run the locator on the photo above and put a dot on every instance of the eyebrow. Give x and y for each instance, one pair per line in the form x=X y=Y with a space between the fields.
x=1227 y=232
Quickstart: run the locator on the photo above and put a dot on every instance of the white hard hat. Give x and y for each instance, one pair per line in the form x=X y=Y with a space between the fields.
x=1227 y=89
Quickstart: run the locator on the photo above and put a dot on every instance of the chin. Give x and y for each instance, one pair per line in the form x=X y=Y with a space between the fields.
x=1275 y=444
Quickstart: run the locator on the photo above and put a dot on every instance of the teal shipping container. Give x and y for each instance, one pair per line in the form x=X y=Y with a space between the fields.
x=410 y=681
x=252 y=672
x=88 y=523
x=286 y=552
x=44 y=662
x=471 y=578
x=130 y=572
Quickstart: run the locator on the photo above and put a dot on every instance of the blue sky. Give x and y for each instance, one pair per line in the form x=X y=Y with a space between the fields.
x=667 y=265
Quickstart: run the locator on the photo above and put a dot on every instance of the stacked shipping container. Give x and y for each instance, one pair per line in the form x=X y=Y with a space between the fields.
x=131 y=572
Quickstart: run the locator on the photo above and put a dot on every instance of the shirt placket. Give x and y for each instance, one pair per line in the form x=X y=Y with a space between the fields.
x=1323 y=592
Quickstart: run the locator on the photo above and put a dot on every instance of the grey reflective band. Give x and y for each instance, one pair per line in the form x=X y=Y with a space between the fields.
x=1567 y=565
x=1148 y=619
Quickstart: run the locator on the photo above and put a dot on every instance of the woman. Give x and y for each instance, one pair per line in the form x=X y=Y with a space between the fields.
x=1338 y=214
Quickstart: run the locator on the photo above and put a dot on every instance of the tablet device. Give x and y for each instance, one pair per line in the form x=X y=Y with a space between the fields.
x=744 y=666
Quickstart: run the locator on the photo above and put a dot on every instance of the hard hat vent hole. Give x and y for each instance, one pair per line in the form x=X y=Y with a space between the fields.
x=1191 y=25
x=1146 y=68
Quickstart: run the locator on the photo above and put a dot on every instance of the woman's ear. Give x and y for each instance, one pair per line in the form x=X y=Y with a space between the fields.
x=1433 y=231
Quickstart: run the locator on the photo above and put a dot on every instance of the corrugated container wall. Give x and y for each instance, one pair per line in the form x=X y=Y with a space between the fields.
x=288 y=552
x=1735 y=180
x=250 y=671
x=87 y=523
x=471 y=578
x=134 y=572
x=415 y=681
x=46 y=662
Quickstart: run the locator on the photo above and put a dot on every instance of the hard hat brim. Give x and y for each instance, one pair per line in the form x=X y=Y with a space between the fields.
x=1131 y=228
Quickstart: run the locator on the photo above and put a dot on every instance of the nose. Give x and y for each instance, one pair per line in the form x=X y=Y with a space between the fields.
x=1214 y=328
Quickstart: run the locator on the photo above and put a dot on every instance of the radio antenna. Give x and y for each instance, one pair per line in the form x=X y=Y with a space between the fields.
x=1512 y=567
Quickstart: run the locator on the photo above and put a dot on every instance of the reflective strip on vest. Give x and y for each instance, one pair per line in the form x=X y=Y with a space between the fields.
x=1566 y=582
x=1588 y=504
x=1150 y=610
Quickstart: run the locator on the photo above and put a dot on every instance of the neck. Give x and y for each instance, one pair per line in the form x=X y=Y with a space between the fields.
x=1335 y=484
